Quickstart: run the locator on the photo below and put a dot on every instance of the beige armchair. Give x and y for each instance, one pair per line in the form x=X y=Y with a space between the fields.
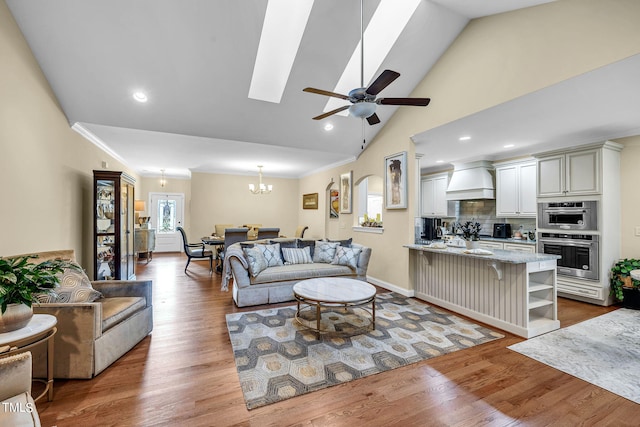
x=253 y=230
x=17 y=407
x=93 y=335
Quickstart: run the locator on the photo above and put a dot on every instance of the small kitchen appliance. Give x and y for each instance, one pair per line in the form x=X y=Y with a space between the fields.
x=431 y=228
x=501 y=231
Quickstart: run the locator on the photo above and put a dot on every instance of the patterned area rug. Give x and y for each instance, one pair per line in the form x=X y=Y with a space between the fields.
x=278 y=359
x=603 y=351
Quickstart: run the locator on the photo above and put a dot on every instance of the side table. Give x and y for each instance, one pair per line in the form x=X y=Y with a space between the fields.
x=41 y=328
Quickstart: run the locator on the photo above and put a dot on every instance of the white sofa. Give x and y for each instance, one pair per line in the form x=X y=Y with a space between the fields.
x=275 y=284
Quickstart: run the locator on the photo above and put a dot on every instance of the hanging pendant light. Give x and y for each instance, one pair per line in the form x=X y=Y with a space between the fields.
x=163 y=181
x=262 y=188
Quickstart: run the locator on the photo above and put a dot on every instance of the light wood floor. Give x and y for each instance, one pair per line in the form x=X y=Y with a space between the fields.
x=184 y=374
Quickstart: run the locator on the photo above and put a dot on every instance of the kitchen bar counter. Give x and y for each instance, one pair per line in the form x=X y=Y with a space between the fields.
x=511 y=257
x=510 y=290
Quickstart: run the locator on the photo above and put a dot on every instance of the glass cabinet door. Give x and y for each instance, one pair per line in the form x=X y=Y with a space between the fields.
x=105 y=228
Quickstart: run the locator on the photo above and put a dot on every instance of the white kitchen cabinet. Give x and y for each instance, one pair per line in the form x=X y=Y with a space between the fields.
x=486 y=244
x=574 y=173
x=434 y=195
x=516 y=189
x=520 y=247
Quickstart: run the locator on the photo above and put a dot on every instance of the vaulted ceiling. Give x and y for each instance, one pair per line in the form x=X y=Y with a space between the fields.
x=194 y=60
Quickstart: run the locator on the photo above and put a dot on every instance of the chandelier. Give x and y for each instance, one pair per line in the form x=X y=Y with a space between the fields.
x=262 y=188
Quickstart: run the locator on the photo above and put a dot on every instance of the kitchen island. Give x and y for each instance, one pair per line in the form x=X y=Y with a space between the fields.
x=511 y=290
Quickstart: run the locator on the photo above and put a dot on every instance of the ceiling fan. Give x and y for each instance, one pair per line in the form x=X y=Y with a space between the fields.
x=363 y=100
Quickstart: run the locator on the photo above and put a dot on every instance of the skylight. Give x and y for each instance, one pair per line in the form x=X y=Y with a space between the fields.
x=282 y=30
x=386 y=25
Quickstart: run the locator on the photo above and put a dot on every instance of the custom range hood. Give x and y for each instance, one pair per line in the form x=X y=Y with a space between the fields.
x=471 y=181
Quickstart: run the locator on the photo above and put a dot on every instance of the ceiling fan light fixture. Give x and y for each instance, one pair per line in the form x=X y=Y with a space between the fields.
x=362 y=109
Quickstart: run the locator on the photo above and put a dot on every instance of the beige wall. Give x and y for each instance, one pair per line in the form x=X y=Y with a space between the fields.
x=225 y=199
x=630 y=178
x=45 y=167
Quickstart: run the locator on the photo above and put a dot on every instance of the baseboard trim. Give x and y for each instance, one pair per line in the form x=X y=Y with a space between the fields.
x=391 y=287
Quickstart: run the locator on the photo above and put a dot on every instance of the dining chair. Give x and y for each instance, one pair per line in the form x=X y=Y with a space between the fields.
x=300 y=231
x=195 y=250
x=231 y=236
x=268 y=233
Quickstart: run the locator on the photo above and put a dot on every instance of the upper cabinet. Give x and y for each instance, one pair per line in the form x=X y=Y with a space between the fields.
x=434 y=195
x=574 y=173
x=516 y=189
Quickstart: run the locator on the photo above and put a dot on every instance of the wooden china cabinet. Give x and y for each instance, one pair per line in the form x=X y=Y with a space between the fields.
x=113 y=222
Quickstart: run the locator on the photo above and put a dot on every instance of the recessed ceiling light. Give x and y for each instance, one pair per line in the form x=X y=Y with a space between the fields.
x=464 y=138
x=439 y=161
x=140 y=96
x=508 y=145
x=328 y=126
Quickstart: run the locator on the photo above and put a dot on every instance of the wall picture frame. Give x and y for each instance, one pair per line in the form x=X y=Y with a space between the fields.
x=346 y=189
x=334 y=203
x=310 y=201
x=395 y=181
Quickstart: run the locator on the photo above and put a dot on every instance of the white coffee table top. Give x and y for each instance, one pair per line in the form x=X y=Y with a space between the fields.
x=39 y=323
x=334 y=290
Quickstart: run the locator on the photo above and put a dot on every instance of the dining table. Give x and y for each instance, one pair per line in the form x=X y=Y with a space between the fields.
x=217 y=243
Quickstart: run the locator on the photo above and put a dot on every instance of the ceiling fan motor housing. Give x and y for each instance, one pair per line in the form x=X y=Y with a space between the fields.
x=363 y=103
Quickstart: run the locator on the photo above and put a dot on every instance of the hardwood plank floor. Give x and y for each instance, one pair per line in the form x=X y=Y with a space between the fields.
x=184 y=374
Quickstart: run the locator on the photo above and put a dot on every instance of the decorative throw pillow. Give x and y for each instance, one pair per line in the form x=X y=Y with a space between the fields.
x=347 y=256
x=285 y=244
x=255 y=259
x=346 y=243
x=311 y=244
x=325 y=251
x=74 y=286
x=297 y=255
x=271 y=254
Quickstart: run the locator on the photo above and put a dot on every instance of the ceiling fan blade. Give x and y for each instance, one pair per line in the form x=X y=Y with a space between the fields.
x=382 y=81
x=418 y=102
x=330 y=113
x=325 y=92
x=373 y=119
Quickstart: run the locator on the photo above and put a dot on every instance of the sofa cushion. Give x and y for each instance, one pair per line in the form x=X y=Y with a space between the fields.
x=300 y=272
x=116 y=309
x=285 y=244
x=325 y=251
x=74 y=287
x=347 y=256
x=346 y=243
x=297 y=255
x=311 y=244
x=271 y=254
x=256 y=260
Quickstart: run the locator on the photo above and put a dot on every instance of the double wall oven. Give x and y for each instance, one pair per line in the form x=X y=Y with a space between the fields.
x=565 y=228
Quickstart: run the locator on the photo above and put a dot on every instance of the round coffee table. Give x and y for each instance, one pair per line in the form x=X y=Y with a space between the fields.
x=334 y=291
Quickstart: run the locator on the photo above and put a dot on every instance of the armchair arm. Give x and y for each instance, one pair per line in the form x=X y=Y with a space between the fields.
x=15 y=372
x=125 y=288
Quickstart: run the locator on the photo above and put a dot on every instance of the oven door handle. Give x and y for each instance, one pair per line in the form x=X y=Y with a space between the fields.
x=564 y=243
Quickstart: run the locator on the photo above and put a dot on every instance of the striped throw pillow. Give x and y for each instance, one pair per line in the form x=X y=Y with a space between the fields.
x=297 y=255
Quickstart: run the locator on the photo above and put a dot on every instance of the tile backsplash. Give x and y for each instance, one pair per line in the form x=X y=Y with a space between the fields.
x=484 y=212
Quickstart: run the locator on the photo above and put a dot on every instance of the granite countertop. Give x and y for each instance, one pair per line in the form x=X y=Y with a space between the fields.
x=511 y=257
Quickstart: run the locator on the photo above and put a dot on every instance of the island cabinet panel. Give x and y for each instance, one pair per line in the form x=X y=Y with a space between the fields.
x=518 y=297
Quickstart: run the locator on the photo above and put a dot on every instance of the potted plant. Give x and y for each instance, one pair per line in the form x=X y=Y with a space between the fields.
x=471 y=233
x=20 y=282
x=623 y=287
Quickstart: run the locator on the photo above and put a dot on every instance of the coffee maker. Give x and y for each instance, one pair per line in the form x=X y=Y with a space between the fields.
x=431 y=228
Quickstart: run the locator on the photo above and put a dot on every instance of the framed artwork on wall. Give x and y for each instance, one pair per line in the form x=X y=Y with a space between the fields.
x=345 y=188
x=395 y=181
x=334 y=203
x=310 y=201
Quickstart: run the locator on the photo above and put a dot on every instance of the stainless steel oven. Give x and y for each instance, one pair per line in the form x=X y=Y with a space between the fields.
x=580 y=254
x=581 y=216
